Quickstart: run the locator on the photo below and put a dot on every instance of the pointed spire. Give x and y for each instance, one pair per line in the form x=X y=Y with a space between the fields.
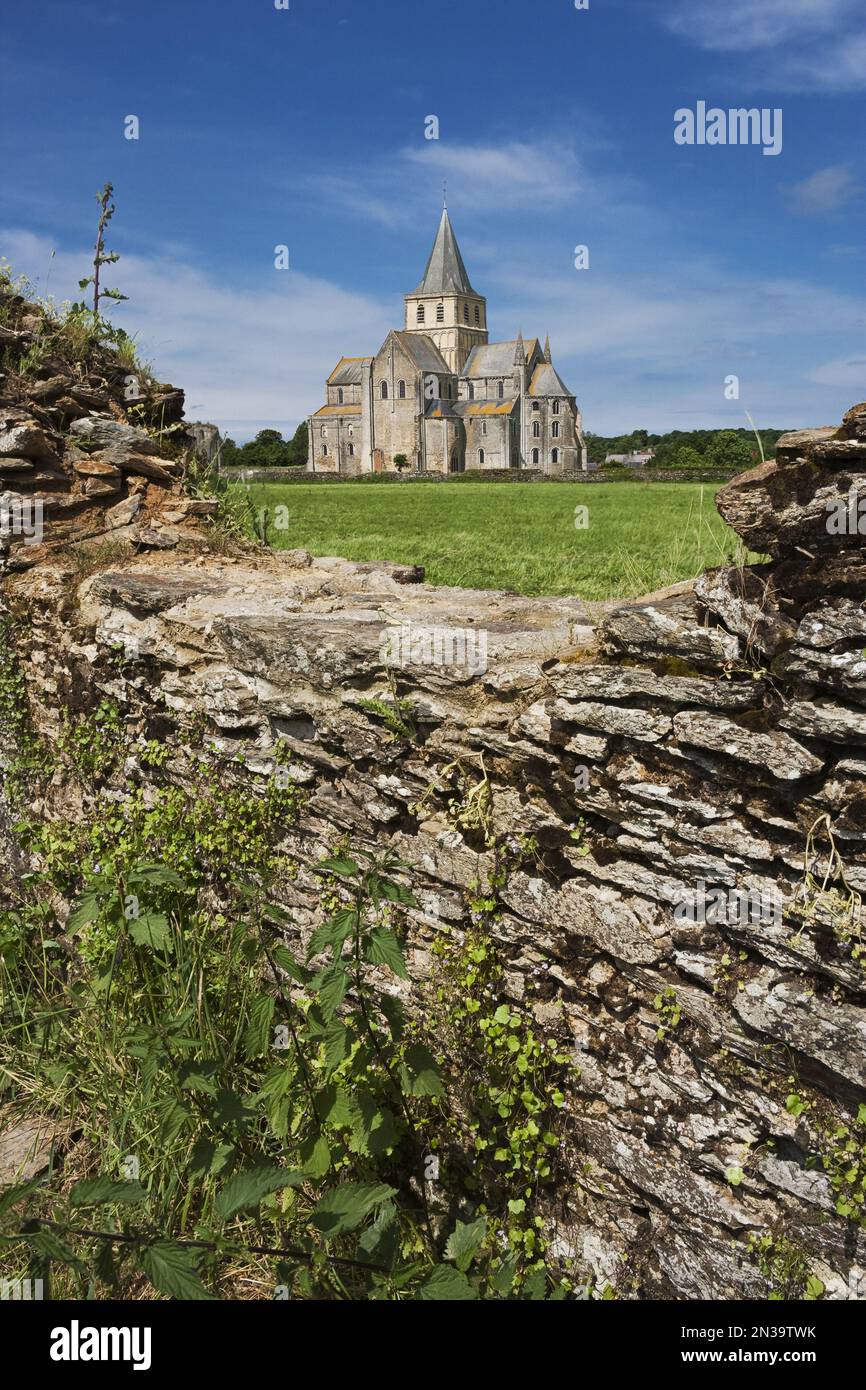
x=547 y=356
x=520 y=350
x=445 y=273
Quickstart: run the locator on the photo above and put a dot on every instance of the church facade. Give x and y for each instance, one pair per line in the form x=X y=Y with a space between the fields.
x=439 y=397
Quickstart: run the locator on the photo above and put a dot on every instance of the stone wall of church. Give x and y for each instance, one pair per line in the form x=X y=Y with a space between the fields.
x=396 y=428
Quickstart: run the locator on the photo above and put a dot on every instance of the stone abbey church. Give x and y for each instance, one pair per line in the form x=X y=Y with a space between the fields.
x=438 y=397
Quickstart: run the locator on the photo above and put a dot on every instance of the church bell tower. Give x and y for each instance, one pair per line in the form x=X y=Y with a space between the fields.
x=445 y=306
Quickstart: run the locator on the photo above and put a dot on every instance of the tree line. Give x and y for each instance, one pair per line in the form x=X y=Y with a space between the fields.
x=268 y=450
x=714 y=449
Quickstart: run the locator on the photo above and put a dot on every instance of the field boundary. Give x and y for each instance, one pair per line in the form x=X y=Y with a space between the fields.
x=656 y=475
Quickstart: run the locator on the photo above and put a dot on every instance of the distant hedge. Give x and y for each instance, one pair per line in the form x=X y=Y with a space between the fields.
x=485 y=475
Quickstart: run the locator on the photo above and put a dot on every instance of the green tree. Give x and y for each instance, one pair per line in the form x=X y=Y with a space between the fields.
x=731 y=449
x=686 y=457
x=298 y=446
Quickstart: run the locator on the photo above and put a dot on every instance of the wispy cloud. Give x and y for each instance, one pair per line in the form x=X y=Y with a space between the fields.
x=848 y=373
x=259 y=355
x=825 y=192
x=546 y=173
x=816 y=44
x=742 y=25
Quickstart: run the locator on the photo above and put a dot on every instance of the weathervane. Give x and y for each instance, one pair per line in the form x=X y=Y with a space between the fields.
x=445 y=194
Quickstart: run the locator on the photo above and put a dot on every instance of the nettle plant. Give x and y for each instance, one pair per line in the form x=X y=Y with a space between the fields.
x=245 y=1119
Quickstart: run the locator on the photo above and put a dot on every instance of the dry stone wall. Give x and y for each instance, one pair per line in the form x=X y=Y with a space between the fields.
x=682 y=782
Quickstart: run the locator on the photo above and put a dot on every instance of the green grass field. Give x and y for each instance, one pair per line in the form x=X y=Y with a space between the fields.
x=518 y=536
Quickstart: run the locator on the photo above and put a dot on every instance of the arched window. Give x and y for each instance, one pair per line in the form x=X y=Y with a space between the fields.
x=480 y=456
x=501 y=389
x=535 y=456
x=554 y=429
x=440 y=313
x=554 y=457
x=536 y=429
x=420 y=313
x=556 y=407
x=340 y=395
x=483 y=426
x=477 y=314
x=535 y=405
x=472 y=390
x=324 y=432
x=401 y=390
x=465 y=313
x=384 y=390
x=351 y=451
x=324 y=451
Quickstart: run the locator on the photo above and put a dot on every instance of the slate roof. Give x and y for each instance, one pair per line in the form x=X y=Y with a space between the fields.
x=423 y=352
x=445 y=273
x=546 y=381
x=496 y=359
x=348 y=371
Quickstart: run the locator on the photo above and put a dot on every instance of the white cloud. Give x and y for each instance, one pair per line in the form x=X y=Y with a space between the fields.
x=816 y=44
x=257 y=355
x=846 y=372
x=826 y=191
x=742 y=25
x=535 y=174
x=637 y=347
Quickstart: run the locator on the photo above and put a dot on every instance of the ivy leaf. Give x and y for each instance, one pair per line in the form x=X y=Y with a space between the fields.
x=258 y=1031
x=447 y=1284
x=172 y=1271
x=419 y=1072
x=247 y=1190
x=153 y=930
x=383 y=948
x=98 y=1192
x=345 y=1207
x=814 y=1289
x=347 y=868
x=333 y=984
x=464 y=1242
x=734 y=1175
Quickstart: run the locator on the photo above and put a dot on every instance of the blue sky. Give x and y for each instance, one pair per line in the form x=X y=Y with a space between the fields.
x=306 y=127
